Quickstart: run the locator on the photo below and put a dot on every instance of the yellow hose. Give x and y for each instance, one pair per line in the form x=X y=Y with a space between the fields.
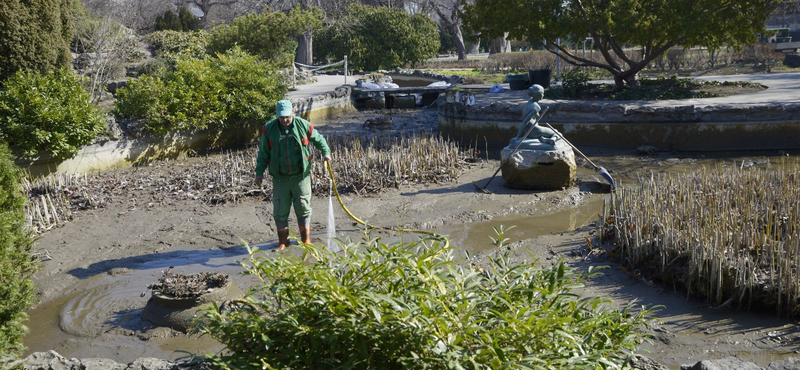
x=396 y=229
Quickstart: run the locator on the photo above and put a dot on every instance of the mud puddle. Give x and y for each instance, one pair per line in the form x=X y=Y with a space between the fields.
x=109 y=306
x=476 y=237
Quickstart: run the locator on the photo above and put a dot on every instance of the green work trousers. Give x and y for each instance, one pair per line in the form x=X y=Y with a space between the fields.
x=287 y=191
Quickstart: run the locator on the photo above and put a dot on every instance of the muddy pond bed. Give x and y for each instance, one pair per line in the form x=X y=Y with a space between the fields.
x=97 y=266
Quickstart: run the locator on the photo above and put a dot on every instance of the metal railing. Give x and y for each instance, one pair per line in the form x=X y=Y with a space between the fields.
x=301 y=66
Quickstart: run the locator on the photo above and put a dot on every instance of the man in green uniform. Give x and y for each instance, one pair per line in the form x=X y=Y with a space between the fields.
x=285 y=153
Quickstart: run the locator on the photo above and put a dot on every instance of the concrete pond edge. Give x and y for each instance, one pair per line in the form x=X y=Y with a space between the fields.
x=469 y=113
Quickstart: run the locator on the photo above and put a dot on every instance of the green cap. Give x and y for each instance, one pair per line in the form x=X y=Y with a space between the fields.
x=284 y=108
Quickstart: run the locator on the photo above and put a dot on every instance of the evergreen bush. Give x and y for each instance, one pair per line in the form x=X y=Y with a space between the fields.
x=375 y=38
x=48 y=113
x=415 y=306
x=35 y=35
x=17 y=265
x=270 y=36
x=183 y=21
x=574 y=83
x=173 y=45
x=234 y=89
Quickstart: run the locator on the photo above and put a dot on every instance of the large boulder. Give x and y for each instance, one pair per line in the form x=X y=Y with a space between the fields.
x=727 y=363
x=52 y=360
x=538 y=169
x=640 y=362
x=792 y=363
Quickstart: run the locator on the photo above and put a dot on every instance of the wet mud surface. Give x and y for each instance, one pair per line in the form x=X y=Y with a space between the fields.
x=94 y=278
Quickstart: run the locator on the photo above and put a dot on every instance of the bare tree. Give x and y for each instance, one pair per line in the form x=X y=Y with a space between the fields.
x=207 y=7
x=448 y=14
x=107 y=49
x=137 y=15
x=785 y=14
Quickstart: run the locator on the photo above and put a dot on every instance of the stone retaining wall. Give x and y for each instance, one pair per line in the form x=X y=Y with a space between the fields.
x=325 y=106
x=128 y=149
x=679 y=127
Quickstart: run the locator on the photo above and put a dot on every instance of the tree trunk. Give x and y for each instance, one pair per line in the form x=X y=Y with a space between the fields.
x=712 y=60
x=500 y=45
x=304 y=52
x=474 y=47
x=626 y=79
x=459 y=41
x=632 y=80
x=619 y=82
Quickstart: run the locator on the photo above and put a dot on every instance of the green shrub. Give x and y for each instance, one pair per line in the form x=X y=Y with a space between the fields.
x=174 y=45
x=153 y=67
x=663 y=88
x=35 y=35
x=235 y=89
x=16 y=262
x=271 y=36
x=376 y=38
x=48 y=113
x=574 y=83
x=183 y=21
x=415 y=306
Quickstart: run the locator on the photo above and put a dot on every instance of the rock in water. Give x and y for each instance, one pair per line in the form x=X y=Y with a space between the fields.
x=539 y=169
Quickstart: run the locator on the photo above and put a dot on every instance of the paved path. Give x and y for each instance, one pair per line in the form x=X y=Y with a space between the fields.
x=324 y=84
x=782 y=88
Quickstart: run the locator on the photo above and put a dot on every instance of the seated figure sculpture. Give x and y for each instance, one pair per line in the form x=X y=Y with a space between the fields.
x=540 y=138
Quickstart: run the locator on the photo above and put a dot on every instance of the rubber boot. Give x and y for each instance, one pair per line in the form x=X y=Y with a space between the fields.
x=305 y=234
x=283 y=239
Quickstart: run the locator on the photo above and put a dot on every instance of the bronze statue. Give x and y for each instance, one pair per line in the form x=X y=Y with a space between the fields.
x=539 y=138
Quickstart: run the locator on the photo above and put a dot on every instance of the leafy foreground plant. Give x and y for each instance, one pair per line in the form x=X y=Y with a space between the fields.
x=47 y=113
x=17 y=265
x=415 y=306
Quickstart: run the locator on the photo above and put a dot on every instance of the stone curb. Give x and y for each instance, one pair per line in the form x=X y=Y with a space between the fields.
x=51 y=360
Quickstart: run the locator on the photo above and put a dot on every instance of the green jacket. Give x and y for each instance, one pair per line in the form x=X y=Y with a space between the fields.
x=281 y=157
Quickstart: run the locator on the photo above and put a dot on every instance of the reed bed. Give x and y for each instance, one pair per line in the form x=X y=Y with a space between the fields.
x=372 y=164
x=728 y=234
x=360 y=165
x=56 y=199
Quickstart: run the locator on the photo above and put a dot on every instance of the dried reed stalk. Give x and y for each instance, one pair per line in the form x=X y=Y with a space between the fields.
x=736 y=229
x=361 y=165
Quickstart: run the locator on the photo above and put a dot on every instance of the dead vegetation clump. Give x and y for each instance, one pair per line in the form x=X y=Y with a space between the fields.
x=187 y=285
x=359 y=165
